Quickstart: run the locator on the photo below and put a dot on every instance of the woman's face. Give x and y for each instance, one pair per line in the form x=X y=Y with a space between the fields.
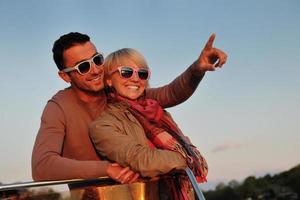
x=132 y=87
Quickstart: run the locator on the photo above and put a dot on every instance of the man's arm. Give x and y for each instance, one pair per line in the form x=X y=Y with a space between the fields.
x=49 y=164
x=184 y=86
x=47 y=161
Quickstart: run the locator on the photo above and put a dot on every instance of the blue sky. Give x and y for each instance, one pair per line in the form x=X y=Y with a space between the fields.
x=243 y=117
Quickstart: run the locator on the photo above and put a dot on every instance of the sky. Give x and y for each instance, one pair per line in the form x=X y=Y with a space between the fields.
x=244 y=117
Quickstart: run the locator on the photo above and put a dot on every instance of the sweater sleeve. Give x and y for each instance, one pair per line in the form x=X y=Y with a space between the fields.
x=111 y=140
x=179 y=90
x=47 y=162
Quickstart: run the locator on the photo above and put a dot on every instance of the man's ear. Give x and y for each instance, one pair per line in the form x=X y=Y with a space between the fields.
x=64 y=76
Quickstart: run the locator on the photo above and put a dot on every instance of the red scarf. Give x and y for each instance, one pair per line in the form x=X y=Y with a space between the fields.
x=162 y=131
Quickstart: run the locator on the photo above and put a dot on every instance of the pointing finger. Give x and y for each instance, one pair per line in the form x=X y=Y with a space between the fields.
x=209 y=43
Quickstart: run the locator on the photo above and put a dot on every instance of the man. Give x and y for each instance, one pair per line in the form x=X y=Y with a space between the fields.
x=63 y=149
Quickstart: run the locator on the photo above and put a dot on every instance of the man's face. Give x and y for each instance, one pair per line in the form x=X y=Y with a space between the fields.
x=91 y=82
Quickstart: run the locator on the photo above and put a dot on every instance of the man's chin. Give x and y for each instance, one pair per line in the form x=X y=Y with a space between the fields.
x=97 y=86
x=94 y=89
x=98 y=89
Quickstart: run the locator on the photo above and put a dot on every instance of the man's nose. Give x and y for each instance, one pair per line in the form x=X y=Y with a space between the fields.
x=96 y=68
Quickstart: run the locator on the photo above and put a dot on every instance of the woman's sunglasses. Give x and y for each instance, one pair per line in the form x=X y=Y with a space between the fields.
x=85 y=66
x=127 y=72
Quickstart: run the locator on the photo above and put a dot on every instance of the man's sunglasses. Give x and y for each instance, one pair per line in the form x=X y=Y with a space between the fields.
x=85 y=66
x=127 y=72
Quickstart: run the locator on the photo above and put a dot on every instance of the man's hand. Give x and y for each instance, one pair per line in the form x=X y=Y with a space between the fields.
x=210 y=57
x=122 y=175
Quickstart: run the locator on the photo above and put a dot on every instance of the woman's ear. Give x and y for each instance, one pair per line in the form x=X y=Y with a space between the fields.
x=64 y=76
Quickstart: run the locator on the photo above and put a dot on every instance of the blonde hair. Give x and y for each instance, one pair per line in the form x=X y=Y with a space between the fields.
x=121 y=56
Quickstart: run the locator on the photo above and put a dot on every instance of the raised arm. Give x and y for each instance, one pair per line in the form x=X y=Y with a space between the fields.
x=184 y=85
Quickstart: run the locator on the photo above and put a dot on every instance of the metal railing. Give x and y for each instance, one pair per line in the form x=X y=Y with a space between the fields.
x=103 y=186
x=84 y=182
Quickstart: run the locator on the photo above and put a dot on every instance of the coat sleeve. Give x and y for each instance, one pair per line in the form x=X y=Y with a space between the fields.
x=179 y=90
x=47 y=162
x=111 y=141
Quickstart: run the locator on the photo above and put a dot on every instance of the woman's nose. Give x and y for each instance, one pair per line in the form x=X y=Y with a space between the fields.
x=135 y=76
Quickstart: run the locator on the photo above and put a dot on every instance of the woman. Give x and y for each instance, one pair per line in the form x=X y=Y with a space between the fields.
x=136 y=132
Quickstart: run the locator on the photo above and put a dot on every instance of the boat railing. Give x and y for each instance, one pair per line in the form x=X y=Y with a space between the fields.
x=99 y=188
x=32 y=184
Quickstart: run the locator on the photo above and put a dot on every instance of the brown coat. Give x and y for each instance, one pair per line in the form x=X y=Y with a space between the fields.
x=119 y=136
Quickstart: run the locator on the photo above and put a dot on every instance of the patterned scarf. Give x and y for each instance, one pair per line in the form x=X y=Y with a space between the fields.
x=163 y=132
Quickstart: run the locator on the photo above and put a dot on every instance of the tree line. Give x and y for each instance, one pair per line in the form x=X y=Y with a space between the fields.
x=282 y=186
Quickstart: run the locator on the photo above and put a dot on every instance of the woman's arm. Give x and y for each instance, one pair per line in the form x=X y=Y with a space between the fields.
x=184 y=85
x=111 y=140
x=179 y=90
